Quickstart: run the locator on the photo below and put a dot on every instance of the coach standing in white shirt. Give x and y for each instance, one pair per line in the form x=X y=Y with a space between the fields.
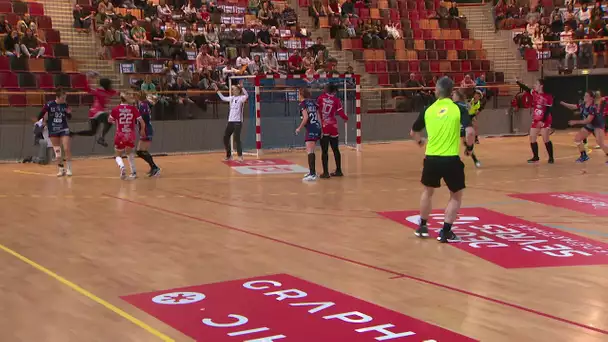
x=235 y=118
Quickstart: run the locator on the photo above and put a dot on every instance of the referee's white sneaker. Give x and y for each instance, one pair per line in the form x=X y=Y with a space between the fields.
x=309 y=178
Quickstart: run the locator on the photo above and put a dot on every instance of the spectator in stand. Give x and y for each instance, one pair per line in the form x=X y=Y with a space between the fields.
x=532 y=25
x=320 y=62
x=82 y=19
x=318 y=46
x=171 y=40
x=248 y=38
x=149 y=10
x=199 y=35
x=164 y=13
x=289 y=16
x=295 y=63
x=30 y=45
x=243 y=62
x=203 y=61
x=467 y=86
x=123 y=37
x=228 y=71
x=147 y=85
x=5 y=26
x=188 y=40
x=317 y=10
x=106 y=7
x=212 y=37
x=349 y=28
x=334 y=9
x=453 y=11
x=371 y=38
x=571 y=51
x=235 y=38
x=348 y=9
x=584 y=15
x=271 y=65
x=415 y=94
x=24 y=23
x=170 y=71
x=100 y=20
x=138 y=34
x=257 y=67
x=190 y=13
x=265 y=14
x=393 y=31
x=538 y=39
x=186 y=74
x=181 y=98
x=264 y=40
x=596 y=31
x=499 y=12
x=481 y=85
x=308 y=62
x=12 y=44
x=253 y=6
x=557 y=25
x=206 y=82
x=204 y=14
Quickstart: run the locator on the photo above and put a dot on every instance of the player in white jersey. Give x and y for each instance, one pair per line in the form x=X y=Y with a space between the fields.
x=235 y=119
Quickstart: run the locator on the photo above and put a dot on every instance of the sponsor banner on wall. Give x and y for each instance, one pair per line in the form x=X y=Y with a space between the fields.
x=584 y=202
x=265 y=166
x=511 y=242
x=281 y=308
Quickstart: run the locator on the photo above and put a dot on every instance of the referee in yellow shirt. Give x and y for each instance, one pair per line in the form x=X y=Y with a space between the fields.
x=442 y=121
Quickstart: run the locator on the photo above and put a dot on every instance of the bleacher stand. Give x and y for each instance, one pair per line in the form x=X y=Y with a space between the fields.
x=33 y=57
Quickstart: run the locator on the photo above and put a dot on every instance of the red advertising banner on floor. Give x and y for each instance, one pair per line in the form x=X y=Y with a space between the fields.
x=511 y=242
x=281 y=308
x=584 y=202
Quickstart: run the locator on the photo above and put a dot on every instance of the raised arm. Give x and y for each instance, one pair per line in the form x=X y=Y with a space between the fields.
x=569 y=105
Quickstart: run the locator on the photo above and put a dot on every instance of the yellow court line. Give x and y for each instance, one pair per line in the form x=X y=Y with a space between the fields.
x=88 y=294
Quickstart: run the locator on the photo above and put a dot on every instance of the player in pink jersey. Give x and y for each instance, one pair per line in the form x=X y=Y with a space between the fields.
x=125 y=116
x=329 y=105
x=541 y=119
x=98 y=114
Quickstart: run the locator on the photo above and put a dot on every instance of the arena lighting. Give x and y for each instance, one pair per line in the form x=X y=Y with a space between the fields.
x=585 y=72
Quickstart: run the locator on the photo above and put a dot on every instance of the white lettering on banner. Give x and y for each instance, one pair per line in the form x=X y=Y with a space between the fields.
x=268 y=339
x=284 y=294
x=388 y=335
x=240 y=320
x=320 y=306
x=249 y=284
x=571 y=242
x=351 y=317
x=585 y=200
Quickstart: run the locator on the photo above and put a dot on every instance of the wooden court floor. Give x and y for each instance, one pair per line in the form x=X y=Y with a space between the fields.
x=71 y=247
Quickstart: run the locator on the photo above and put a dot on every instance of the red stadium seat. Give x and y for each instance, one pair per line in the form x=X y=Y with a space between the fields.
x=364 y=13
x=12 y=18
x=45 y=81
x=393 y=67
x=118 y=51
x=79 y=81
x=5 y=63
x=459 y=45
x=381 y=67
x=418 y=34
x=6 y=7
x=485 y=65
x=52 y=36
x=404 y=67
x=383 y=80
x=36 y=9
x=414 y=66
x=458 y=77
x=440 y=44
x=45 y=22
x=465 y=66
x=475 y=65
x=450 y=45
x=435 y=66
x=427 y=34
x=455 y=66
x=17 y=100
x=370 y=67
x=9 y=80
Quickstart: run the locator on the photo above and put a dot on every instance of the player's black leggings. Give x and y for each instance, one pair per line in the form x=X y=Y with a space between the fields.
x=233 y=128
x=327 y=141
x=94 y=125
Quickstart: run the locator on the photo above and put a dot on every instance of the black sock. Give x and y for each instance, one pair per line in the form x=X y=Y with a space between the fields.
x=335 y=147
x=447 y=227
x=147 y=157
x=549 y=146
x=474 y=157
x=534 y=147
x=583 y=153
x=311 y=163
x=422 y=222
x=585 y=141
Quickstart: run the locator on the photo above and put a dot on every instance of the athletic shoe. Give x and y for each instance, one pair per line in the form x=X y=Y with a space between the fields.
x=155 y=172
x=61 y=172
x=123 y=173
x=101 y=141
x=68 y=172
x=533 y=160
x=551 y=161
x=133 y=175
x=227 y=158
x=241 y=159
x=324 y=176
x=309 y=178
x=596 y=147
x=477 y=140
x=449 y=237
x=422 y=231
x=478 y=164
x=582 y=159
x=337 y=173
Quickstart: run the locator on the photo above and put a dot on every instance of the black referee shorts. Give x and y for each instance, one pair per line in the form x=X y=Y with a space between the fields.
x=450 y=169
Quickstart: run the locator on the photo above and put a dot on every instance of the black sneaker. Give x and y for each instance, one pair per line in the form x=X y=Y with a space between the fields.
x=551 y=161
x=449 y=237
x=155 y=172
x=533 y=160
x=324 y=175
x=102 y=142
x=337 y=173
x=422 y=231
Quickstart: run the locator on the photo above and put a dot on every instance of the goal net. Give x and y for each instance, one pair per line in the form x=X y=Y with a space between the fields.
x=272 y=113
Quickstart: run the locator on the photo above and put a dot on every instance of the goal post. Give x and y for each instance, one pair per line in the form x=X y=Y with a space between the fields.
x=276 y=111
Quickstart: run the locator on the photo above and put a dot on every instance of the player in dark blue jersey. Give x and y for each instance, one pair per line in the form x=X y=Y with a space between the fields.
x=459 y=99
x=310 y=120
x=56 y=114
x=145 y=110
x=592 y=121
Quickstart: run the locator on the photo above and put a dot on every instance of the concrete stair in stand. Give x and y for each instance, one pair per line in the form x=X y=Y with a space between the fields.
x=83 y=47
x=502 y=52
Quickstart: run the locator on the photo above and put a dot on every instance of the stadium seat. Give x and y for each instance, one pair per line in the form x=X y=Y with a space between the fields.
x=45 y=81
x=465 y=66
x=425 y=66
x=19 y=7
x=450 y=45
x=6 y=7
x=471 y=55
x=45 y=22
x=393 y=66
x=5 y=63
x=414 y=66
x=383 y=80
x=485 y=65
x=381 y=66
x=34 y=99
x=62 y=81
x=435 y=66
x=79 y=81
x=52 y=36
x=52 y=65
x=17 y=100
x=68 y=66
x=9 y=80
x=27 y=80
x=118 y=52
x=370 y=67
x=475 y=65
x=61 y=50
x=36 y=9
x=18 y=64
x=455 y=66
x=36 y=65
x=404 y=67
